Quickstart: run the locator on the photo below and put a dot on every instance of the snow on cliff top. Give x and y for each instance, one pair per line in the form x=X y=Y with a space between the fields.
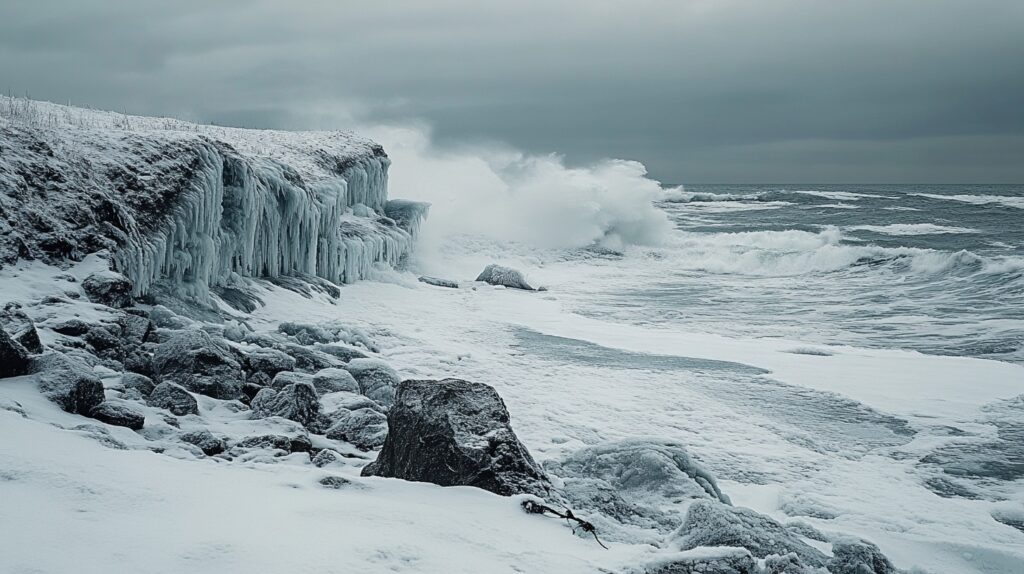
x=313 y=154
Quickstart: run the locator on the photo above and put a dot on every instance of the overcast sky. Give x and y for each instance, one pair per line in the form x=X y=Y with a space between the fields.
x=698 y=90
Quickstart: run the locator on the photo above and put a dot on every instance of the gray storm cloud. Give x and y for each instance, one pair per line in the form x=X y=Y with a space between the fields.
x=699 y=90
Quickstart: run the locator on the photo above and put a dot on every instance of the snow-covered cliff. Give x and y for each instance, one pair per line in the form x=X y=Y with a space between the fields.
x=192 y=206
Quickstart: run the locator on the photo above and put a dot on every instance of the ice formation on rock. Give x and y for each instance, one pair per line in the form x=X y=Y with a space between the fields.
x=193 y=206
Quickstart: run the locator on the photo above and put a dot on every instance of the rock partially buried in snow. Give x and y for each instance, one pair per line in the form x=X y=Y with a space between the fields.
x=333 y=380
x=173 y=397
x=852 y=556
x=504 y=276
x=68 y=382
x=118 y=415
x=708 y=561
x=328 y=457
x=108 y=288
x=711 y=523
x=14 y=359
x=298 y=402
x=21 y=328
x=270 y=361
x=206 y=441
x=456 y=433
x=285 y=378
x=141 y=383
x=438 y=282
x=376 y=379
x=199 y=363
x=341 y=352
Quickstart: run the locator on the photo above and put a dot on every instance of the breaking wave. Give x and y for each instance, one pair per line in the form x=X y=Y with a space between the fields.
x=1007 y=201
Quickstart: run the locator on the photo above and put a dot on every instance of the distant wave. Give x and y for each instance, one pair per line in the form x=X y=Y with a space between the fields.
x=912 y=229
x=1006 y=200
x=795 y=252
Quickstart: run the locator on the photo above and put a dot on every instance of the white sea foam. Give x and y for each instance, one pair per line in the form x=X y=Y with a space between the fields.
x=913 y=229
x=1016 y=202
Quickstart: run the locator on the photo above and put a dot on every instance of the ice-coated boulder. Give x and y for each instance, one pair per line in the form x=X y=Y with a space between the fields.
x=640 y=482
x=69 y=382
x=285 y=378
x=309 y=360
x=307 y=334
x=853 y=556
x=376 y=379
x=173 y=397
x=327 y=457
x=365 y=428
x=269 y=361
x=454 y=432
x=200 y=363
x=342 y=352
x=704 y=561
x=296 y=442
x=205 y=440
x=108 y=288
x=118 y=415
x=141 y=383
x=21 y=328
x=439 y=282
x=14 y=359
x=298 y=402
x=333 y=380
x=504 y=276
x=711 y=523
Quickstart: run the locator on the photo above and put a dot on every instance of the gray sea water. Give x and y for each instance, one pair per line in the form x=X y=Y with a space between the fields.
x=938 y=269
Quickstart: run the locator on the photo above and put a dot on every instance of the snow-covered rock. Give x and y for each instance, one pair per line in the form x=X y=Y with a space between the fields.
x=141 y=383
x=173 y=397
x=298 y=402
x=108 y=288
x=705 y=561
x=365 y=428
x=504 y=276
x=332 y=380
x=269 y=361
x=200 y=363
x=118 y=414
x=854 y=556
x=711 y=523
x=285 y=378
x=205 y=440
x=342 y=352
x=68 y=381
x=376 y=379
x=454 y=432
x=21 y=328
x=438 y=282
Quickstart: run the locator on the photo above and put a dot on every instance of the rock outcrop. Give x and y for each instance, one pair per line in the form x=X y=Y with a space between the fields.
x=504 y=276
x=454 y=432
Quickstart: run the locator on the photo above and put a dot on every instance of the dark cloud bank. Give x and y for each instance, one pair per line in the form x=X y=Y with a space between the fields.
x=699 y=90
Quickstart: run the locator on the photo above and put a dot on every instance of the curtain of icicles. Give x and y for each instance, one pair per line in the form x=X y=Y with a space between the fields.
x=247 y=217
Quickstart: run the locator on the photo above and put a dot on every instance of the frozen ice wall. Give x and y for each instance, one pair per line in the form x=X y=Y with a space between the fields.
x=195 y=207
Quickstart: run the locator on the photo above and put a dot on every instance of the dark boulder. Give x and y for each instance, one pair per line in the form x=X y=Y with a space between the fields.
x=328 y=457
x=454 y=432
x=108 y=288
x=298 y=402
x=711 y=523
x=69 y=382
x=206 y=441
x=14 y=359
x=285 y=378
x=173 y=397
x=705 y=561
x=118 y=415
x=309 y=360
x=504 y=276
x=141 y=383
x=135 y=329
x=21 y=328
x=295 y=443
x=72 y=328
x=200 y=363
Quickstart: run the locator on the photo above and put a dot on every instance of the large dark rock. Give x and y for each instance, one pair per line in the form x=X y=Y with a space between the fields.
x=504 y=276
x=108 y=288
x=851 y=556
x=21 y=328
x=173 y=397
x=69 y=382
x=711 y=523
x=376 y=379
x=141 y=383
x=200 y=363
x=135 y=329
x=14 y=359
x=298 y=402
x=454 y=432
x=118 y=415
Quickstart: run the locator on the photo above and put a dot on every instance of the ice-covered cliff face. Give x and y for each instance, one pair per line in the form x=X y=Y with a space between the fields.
x=191 y=206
